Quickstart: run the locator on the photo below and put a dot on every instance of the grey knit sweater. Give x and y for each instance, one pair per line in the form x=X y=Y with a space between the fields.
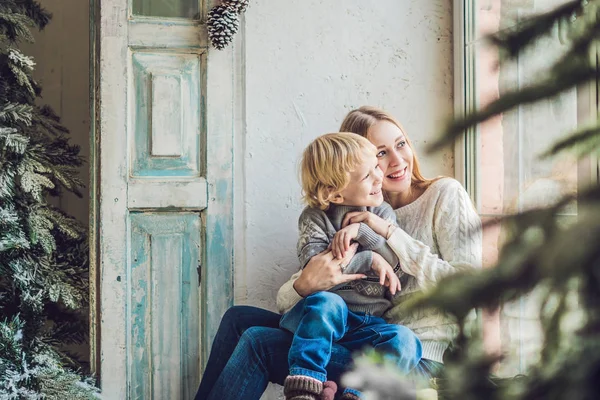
x=316 y=230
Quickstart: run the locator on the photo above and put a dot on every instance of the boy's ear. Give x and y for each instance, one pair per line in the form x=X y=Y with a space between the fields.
x=337 y=198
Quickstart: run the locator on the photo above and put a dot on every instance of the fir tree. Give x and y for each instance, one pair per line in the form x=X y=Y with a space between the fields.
x=43 y=251
x=560 y=261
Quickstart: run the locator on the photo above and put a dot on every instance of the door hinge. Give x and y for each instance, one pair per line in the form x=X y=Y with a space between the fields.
x=199 y=269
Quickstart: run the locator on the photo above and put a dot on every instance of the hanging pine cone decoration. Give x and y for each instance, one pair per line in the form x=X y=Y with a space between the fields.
x=239 y=6
x=223 y=22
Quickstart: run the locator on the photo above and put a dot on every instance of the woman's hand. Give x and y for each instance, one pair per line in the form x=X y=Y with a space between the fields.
x=378 y=224
x=387 y=277
x=342 y=239
x=324 y=271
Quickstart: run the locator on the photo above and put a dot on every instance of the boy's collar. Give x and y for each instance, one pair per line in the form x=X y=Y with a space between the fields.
x=336 y=213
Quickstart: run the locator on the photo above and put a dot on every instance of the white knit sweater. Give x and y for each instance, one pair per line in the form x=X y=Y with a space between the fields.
x=439 y=233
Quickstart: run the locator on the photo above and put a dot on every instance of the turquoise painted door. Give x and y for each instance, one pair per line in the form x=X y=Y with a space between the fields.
x=162 y=216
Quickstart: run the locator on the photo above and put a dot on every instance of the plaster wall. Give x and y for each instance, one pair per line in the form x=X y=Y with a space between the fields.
x=307 y=63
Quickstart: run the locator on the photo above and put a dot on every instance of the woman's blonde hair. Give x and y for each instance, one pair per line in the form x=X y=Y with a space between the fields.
x=326 y=165
x=360 y=120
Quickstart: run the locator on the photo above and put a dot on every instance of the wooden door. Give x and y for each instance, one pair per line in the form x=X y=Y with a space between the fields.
x=162 y=196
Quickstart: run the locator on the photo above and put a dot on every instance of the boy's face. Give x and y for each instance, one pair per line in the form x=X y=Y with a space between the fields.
x=364 y=189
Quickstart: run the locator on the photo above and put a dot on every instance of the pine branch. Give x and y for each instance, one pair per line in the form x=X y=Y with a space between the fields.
x=39 y=15
x=589 y=196
x=573 y=68
x=12 y=235
x=583 y=142
x=539 y=249
x=569 y=73
x=35 y=371
x=15 y=26
x=21 y=69
x=50 y=122
x=16 y=113
x=552 y=317
x=7 y=180
x=11 y=140
x=521 y=37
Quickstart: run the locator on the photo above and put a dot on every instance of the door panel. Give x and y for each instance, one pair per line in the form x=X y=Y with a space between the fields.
x=163 y=198
x=164 y=306
x=166 y=114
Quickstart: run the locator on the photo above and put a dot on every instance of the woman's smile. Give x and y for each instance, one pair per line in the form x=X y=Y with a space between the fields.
x=398 y=175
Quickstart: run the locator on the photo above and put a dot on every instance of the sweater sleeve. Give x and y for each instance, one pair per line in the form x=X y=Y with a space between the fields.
x=312 y=235
x=313 y=239
x=369 y=239
x=287 y=297
x=457 y=231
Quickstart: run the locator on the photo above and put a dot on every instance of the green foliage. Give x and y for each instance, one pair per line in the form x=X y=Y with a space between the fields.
x=560 y=261
x=34 y=371
x=43 y=251
x=577 y=66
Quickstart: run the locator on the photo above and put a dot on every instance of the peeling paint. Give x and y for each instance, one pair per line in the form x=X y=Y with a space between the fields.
x=163 y=362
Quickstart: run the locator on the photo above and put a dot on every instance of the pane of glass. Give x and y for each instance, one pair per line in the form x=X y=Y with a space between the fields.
x=166 y=8
x=511 y=176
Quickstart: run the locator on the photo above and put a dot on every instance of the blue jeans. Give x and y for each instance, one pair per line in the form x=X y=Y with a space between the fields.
x=323 y=318
x=249 y=351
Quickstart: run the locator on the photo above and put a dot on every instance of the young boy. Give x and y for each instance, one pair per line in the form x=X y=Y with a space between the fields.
x=339 y=174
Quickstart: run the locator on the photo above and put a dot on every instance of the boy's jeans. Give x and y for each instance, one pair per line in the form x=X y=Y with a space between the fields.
x=323 y=318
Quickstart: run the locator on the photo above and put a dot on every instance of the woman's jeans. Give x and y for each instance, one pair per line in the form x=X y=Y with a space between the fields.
x=323 y=318
x=250 y=350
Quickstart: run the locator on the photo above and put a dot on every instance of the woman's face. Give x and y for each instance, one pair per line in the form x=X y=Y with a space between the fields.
x=394 y=154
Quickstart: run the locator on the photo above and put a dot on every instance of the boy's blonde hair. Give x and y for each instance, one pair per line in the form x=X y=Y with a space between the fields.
x=326 y=165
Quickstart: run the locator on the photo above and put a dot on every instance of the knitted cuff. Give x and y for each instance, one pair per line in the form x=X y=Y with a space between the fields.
x=349 y=396
x=301 y=387
x=360 y=263
x=368 y=238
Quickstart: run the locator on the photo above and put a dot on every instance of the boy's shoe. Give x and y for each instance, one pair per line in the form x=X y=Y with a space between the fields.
x=301 y=387
x=329 y=390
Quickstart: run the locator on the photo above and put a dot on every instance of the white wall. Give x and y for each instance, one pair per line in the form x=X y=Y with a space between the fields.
x=307 y=63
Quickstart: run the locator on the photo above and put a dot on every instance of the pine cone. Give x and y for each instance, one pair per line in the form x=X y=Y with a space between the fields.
x=223 y=22
x=239 y=6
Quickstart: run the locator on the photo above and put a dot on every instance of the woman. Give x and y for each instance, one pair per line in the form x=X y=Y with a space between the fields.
x=439 y=233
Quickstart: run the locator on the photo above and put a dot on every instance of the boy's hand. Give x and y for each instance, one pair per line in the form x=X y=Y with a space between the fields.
x=342 y=240
x=387 y=277
x=378 y=224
